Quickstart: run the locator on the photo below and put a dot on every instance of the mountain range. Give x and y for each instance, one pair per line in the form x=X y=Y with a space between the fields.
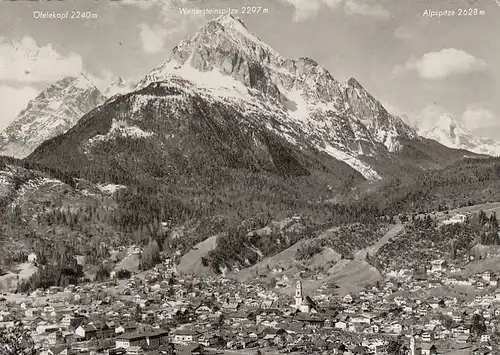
x=225 y=97
x=224 y=61
x=224 y=134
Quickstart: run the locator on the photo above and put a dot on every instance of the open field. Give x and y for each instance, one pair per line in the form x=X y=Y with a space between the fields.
x=129 y=262
x=350 y=275
x=191 y=262
x=21 y=272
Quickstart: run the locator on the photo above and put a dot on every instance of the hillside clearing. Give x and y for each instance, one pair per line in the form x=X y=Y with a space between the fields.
x=191 y=262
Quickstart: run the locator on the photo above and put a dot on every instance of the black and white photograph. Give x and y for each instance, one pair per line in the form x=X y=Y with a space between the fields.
x=249 y=177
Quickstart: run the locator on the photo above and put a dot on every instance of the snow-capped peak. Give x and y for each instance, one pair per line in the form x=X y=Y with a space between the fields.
x=231 y=21
x=450 y=132
x=82 y=81
x=236 y=29
x=52 y=112
x=119 y=86
x=344 y=121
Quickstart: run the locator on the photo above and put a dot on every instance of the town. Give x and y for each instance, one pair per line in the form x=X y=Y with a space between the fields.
x=161 y=312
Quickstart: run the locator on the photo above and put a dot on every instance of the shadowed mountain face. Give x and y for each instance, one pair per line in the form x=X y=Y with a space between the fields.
x=168 y=131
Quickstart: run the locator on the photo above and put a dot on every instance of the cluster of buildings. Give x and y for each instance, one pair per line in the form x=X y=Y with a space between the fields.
x=159 y=313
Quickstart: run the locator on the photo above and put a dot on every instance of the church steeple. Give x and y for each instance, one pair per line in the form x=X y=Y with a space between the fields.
x=298 y=294
x=412 y=343
x=298 y=289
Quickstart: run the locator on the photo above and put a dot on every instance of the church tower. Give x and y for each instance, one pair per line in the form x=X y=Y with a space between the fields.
x=412 y=344
x=298 y=294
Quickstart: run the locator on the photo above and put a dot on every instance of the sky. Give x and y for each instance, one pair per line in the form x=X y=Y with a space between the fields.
x=416 y=65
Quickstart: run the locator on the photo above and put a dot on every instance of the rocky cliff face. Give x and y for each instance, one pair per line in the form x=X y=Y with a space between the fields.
x=51 y=113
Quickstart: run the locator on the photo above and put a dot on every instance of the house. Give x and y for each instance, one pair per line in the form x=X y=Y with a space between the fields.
x=242 y=316
x=86 y=332
x=54 y=338
x=458 y=218
x=125 y=341
x=438 y=265
x=486 y=275
x=348 y=299
x=208 y=340
x=396 y=328
x=32 y=258
x=203 y=309
x=310 y=320
x=434 y=283
x=72 y=322
x=230 y=306
x=144 y=340
x=361 y=319
x=373 y=329
x=126 y=328
x=185 y=337
x=485 y=338
x=429 y=349
x=32 y=312
x=341 y=325
x=427 y=336
x=58 y=350
x=457 y=317
x=44 y=327
x=134 y=350
x=95 y=330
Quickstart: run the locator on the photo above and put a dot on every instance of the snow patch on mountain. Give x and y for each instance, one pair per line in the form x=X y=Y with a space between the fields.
x=110 y=189
x=119 y=128
x=216 y=83
x=364 y=169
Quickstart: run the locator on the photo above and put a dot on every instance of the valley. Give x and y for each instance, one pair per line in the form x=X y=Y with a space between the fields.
x=234 y=200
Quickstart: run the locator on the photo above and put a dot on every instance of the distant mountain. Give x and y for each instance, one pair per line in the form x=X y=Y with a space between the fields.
x=450 y=132
x=118 y=87
x=51 y=113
